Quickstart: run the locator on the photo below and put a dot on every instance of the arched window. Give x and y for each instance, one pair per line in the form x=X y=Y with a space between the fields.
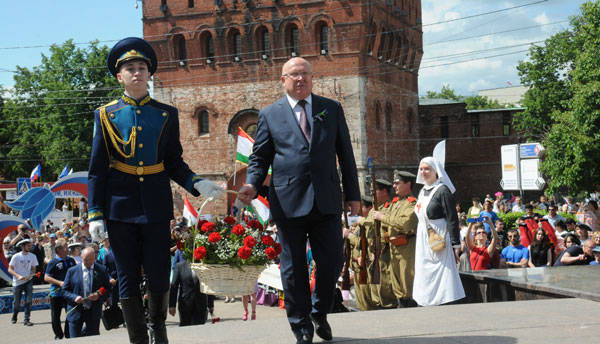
x=291 y=40
x=388 y=117
x=377 y=116
x=180 y=52
x=190 y=3
x=382 y=44
x=203 y=122
x=323 y=34
x=371 y=38
x=207 y=46
x=235 y=44
x=263 y=42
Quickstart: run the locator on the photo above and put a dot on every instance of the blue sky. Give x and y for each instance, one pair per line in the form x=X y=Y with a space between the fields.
x=43 y=22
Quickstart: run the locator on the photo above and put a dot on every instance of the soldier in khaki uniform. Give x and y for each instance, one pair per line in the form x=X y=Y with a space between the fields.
x=382 y=292
x=364 y=301
x=401 y=222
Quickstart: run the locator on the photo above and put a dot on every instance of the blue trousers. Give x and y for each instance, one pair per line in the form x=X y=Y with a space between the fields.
x=324 y=233
x=27 y=289
x=141 y=245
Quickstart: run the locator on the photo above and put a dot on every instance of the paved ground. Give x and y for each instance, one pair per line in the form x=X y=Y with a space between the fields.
x=539 y=321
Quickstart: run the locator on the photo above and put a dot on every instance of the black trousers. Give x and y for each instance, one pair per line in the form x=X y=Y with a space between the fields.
x=136 y=245
x=57 y=304
x=324 y=232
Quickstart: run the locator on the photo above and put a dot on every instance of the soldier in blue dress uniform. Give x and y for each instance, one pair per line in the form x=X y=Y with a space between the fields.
x=135 y=153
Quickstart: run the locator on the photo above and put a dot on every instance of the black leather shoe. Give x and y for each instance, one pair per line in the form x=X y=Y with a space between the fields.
x=303 y=337
x=322 y=327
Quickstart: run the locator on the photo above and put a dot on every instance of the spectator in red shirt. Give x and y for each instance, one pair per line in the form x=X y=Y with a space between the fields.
x=481 y=252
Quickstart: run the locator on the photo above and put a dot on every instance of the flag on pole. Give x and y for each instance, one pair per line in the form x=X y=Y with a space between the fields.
x=244 y=147
x=260 y=206
x=36 y=173
x=65 y=171
x=189 y=212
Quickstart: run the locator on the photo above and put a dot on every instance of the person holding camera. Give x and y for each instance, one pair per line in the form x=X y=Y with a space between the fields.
x=481 y=252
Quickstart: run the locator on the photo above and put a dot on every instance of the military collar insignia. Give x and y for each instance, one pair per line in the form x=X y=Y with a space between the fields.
x=127 y=99
x=395 y=199
x=411 y=199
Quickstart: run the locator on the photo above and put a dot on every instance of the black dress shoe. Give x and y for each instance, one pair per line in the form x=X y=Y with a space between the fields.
x=303 y=337
x=322 y=327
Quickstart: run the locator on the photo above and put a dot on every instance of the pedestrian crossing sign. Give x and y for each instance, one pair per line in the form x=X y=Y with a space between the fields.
x=23 y=185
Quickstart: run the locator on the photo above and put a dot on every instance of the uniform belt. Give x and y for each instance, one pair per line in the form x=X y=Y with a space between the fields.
x=137 y=170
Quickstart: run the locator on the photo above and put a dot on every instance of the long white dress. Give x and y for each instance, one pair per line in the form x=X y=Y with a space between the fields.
x=436 y=275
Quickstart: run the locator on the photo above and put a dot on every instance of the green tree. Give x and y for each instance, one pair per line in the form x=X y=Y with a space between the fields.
x=49 y=117
x=473 y=102
x=562 y=103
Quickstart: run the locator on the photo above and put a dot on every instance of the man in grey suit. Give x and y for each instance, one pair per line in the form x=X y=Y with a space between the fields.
x=300 y=136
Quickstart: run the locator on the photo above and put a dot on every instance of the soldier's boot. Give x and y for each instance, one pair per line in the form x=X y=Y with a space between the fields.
x=158 y=304
x=133 y=312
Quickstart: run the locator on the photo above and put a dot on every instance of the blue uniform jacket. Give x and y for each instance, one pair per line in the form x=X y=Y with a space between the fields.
x=73 y=287
x=303 y=172
x=131 y=198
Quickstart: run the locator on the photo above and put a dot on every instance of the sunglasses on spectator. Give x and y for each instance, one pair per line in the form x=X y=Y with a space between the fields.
x=483 y=232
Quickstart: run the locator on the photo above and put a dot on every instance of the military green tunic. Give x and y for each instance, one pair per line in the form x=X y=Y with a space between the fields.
x=401 y=222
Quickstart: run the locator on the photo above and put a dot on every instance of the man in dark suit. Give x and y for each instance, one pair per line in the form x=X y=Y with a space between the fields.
x=193 y=304
x=81 y=288
x=299 y=136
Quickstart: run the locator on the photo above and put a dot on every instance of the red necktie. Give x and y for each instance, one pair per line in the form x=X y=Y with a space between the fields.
x=303 y=121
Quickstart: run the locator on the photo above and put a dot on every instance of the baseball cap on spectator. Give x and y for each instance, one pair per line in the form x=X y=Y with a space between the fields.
x=52 y=235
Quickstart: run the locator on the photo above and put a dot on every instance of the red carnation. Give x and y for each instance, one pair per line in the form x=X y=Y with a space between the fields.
x=200 y=253
x=271 y=253
x=268 y=240
x=230 y=220
x=102 y=291
x=38 y=274
x=200 y=223
x=255 y=224
x=214 y=237
x=238 y=230
x=249 y=241
x=179 y=245
x=244 y=252
x=208 y=227
x=277 y=247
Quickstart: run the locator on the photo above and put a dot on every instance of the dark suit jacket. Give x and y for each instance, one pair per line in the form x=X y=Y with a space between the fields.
x=73 y=287
x=303 y=172
x=186 y=284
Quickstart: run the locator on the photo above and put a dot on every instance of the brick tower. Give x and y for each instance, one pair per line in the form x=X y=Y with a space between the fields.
x=220 y=63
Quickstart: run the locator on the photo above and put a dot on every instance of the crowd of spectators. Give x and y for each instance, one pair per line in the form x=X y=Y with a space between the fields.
x=545 y=233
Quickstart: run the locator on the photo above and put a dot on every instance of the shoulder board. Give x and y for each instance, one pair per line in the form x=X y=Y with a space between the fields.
x=411 y=199
x=109 y=104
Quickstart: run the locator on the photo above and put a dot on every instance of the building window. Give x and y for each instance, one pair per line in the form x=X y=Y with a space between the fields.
x=377 y=119
x=382 y=45
x=264 y=43
x=371 y=38
x=179 y=48
x=323 y=39
x=506 y=124
x=203 y=122
x=208 y=47
x=475 y=125
x=444 y=126
x=388 y=117
x=190 y=3
x=292 y=40
x=236 y=45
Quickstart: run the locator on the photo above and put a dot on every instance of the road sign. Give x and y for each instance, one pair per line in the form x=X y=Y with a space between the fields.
x=530 y=175
x=23 y=184
x=530 y=150
x=510 y=167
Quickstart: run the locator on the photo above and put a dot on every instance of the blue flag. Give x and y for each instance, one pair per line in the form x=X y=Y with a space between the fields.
x=65 y=171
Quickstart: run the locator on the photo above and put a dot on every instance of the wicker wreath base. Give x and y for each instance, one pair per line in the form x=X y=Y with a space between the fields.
x=224 y=280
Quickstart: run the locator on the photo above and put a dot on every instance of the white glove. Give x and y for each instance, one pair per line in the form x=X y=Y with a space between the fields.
x=208 y=189
x=96 y=228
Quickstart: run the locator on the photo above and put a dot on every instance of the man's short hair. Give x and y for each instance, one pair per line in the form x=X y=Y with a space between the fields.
x=570 y=221
x=60 y=243
x=512 y=230
x=561 y=224
x=528 y=206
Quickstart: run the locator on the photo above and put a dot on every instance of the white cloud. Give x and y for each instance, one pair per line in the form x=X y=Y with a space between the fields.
x=479 y=85
x=542 y=19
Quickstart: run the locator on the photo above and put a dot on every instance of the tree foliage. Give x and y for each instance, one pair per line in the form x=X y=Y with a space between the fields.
x=473 y=102
x=48 y=117
x=562 y=104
